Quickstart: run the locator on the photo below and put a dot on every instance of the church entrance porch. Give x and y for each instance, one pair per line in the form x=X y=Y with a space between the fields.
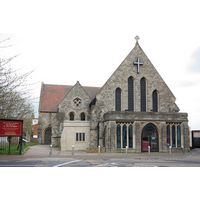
x=149 y=138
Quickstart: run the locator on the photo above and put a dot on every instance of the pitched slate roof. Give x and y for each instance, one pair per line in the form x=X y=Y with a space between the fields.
x=51 y=95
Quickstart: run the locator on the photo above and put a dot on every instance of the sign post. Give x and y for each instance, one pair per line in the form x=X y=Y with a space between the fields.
x=11 y=128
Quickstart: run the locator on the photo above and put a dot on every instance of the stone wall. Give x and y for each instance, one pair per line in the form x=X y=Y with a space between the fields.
x=68 y=136
x=95 y=150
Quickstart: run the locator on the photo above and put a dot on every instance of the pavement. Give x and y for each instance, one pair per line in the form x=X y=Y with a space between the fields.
x=42 y=152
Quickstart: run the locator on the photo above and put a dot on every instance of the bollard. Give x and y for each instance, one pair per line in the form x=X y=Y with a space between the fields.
x=149 y=150
x=170 y=150
x=183 y=149
x=99 y=150
x=50 y=152
x=72 y=150
x=126 y=149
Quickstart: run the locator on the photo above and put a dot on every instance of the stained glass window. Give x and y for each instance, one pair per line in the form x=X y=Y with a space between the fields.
x=130 y=133
x=168 y=135
x=178 y=136
x=124 y=136
x=173 y=137
x=143 y=94
x=118 y=99
x=118 y=136
x=155 y=101
x=130 y=94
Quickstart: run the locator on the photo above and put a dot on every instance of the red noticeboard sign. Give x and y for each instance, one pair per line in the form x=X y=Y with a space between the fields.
x=11 y=127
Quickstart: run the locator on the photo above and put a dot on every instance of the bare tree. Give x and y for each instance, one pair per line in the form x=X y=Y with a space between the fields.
x=15 y=92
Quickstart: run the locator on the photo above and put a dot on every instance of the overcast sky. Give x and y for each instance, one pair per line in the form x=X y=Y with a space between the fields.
x=85 y=41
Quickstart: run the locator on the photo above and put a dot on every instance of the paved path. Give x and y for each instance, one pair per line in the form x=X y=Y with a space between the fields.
x=39 y=156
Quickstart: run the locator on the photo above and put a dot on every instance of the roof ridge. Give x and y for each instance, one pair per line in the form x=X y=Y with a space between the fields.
x=71 y=85
x=57 y=84
x=92 y=86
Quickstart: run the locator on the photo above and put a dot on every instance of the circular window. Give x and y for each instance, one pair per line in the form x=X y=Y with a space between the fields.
x=77 y=101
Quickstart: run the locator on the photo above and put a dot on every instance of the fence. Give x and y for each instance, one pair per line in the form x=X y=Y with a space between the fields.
x=10 y=145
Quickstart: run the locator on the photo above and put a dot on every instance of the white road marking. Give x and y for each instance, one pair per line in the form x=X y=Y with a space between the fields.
x=66 y=163
x=21 y=165
x=107 y=164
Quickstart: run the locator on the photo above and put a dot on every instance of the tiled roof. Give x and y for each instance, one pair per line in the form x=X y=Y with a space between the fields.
x=53 y=94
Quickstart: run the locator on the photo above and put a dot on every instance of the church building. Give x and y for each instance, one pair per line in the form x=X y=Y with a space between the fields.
x=134 y=109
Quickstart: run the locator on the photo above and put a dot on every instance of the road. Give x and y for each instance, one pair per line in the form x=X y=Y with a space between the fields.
x=102 y=163
x=39 y=157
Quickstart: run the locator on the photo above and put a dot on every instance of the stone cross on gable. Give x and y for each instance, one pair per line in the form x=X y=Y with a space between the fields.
x=138 y=63
x=137 y=38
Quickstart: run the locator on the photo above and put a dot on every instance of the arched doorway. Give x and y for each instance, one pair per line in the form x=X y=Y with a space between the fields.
x=47 y=136
x=149 y=138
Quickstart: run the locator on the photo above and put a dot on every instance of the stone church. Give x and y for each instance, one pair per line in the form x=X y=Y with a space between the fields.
x=134 y=109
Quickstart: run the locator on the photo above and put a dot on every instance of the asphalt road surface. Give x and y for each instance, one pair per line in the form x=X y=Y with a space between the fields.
x=38 y=156
x=102 y=163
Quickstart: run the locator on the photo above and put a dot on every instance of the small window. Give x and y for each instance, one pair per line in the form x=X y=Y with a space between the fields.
x=82 y=116
x=71 y=116
x=80 y=137
x=80 y=134
x=77 y=101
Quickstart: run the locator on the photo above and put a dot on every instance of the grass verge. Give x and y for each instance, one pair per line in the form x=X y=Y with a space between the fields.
x=14 y=150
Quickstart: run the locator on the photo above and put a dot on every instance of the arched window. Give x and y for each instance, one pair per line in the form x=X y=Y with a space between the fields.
x=124 y=136
x=82 y=116
x=178 y=136
x=71 y=116
x=118 y=99
x=143 y=94
x=118 y=136
x=173 y=137
x=130 y=135
x=130 y=94
x=168 y=135
x=155 y=101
